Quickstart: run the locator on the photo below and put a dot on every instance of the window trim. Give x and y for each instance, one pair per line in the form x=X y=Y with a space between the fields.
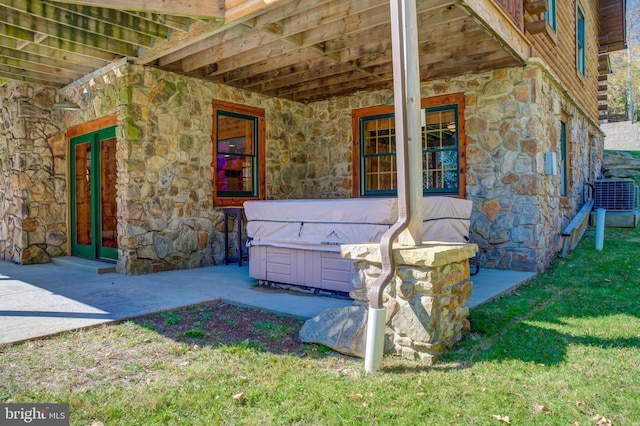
x=392 y=155
x=431 y=102
x=581 y=39
x=551 y=15
x=260 y=173
x=564 y=143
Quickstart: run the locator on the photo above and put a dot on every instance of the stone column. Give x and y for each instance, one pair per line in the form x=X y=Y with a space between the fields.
x=425 y=300
x=33 y=173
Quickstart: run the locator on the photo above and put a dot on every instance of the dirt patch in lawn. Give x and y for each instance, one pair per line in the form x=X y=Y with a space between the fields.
x=145 y=350
x=220 y=323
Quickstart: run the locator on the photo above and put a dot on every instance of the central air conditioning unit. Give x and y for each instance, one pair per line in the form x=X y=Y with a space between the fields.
x=616 y=195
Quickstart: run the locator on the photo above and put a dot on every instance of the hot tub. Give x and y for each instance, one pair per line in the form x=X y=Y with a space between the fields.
x=297 y=242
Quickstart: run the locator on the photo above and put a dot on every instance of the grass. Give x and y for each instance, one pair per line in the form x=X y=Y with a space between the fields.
x=171 y=318
x=562 y=350
x=272 y=329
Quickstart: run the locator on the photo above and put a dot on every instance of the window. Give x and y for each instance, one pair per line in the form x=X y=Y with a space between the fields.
x=378 y=147
x=238 y=153
x=550 y=15
x=580 y=41
x=375 y=173
x=564 y=159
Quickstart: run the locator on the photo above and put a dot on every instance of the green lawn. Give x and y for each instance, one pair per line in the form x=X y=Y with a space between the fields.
x=563 y=350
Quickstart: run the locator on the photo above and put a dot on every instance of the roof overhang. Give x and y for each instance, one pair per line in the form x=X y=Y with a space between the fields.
x=303 y=50
x=613 y=25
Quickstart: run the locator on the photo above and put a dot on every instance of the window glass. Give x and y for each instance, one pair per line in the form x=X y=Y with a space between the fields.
x=235 y=159
x=550 y=15
x=440 y=156
x=563 y=159
x=580 y=40
x=238 y=136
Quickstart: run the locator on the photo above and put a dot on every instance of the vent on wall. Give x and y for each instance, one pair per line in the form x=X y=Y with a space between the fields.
x=617 y=194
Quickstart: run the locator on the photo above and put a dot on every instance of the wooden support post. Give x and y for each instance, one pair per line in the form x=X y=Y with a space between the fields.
x=406 y=90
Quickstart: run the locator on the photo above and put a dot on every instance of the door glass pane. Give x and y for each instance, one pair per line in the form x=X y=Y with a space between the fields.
x=109 y=220
x=83 y=193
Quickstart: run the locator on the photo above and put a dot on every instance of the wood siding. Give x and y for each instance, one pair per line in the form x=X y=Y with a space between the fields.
x=515 y=9
x=560 y=53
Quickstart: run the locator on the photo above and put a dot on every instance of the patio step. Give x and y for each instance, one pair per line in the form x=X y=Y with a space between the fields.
x=96 y=266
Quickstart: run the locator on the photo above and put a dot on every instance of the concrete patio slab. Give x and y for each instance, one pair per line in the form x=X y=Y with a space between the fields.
x=490 y=284
x=41 y=300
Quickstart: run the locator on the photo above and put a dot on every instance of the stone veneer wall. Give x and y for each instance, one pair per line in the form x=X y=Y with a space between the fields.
x=33 y=169
x=512 y=118
x=166 y=219
x=330 y=132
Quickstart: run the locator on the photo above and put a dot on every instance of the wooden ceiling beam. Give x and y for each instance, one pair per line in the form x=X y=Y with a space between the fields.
x=65 y=33
x=351 y=24
x=432 y=36
x=28 y=75
x=296 y=41
x=434 y=59
x=65 y=47
x=245 y=46
x=435 y=41
x=272 y=81
x=208 y=43
x=197 y=31
x=22 y=78
x=204 y=8
x=344 y=88
x=41 y=11
x=239 y=11
x=36 y=51
x=431 y=21
x=252 y=76
x=479 y=63
x=302 y=59
x=328 y=15
x=202 y=30
x=177 y=23
x=36 y=68
x=134 y=22
x=336 y=19
x=342 y=79
x=300 y=9
x=252 y=56
x=29 y=60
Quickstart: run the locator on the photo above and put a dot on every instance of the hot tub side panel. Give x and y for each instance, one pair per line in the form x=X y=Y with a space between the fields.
x=305 y=268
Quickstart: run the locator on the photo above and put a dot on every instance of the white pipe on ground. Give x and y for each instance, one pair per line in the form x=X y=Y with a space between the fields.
x=600 y=219
x=375 y=340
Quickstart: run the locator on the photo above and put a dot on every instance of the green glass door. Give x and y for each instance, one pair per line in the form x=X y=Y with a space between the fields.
x=93 y=190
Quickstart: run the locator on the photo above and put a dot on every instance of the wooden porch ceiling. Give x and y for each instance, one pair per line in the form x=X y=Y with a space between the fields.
x=304 y=50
